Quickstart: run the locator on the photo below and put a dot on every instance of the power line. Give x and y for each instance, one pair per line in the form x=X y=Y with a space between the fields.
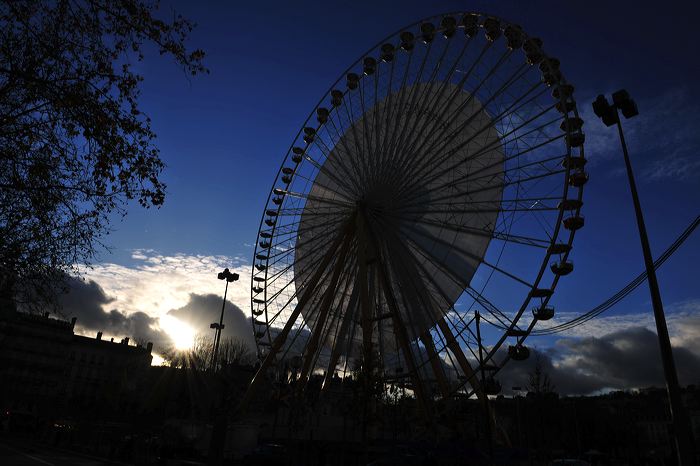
x=621 y=294
x=617 y=297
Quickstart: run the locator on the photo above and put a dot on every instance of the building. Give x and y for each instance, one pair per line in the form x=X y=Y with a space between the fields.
x=47 y=370
x=33 y=355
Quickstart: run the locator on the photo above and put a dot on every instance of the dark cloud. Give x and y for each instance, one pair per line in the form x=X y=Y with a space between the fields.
x=202 y=310
x=86 y=300
x=622 y=360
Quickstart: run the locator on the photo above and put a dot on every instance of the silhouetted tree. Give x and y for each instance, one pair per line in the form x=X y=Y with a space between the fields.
x=538 y=380
x=232 y=351
x=74 y=145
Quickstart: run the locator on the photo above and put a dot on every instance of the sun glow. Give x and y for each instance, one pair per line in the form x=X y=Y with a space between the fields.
x=181 y=333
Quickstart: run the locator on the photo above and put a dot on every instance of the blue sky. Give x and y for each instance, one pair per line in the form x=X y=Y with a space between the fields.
x=224 y=135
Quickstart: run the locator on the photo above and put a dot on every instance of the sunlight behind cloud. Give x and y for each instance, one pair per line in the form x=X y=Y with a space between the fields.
x=156 y=283
x=181 y=333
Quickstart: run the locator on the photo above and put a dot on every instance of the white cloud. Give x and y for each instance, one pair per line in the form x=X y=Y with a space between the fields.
x=682 y=319
x=157 y=283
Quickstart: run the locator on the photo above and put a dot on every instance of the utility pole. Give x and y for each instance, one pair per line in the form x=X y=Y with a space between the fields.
x=681 y=423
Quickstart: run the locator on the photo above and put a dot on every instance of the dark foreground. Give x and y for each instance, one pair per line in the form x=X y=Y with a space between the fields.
x=18 y=452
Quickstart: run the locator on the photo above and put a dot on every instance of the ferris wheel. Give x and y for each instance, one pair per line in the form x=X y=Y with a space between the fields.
x=436 y=188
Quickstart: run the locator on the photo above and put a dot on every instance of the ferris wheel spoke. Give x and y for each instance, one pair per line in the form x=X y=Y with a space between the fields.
x=411 y=213
x=429 y=168
x=316 y=212
x=392 y=123
x=461 y=251
x=475 y=202
x=436 y=99
x=363 y=151
x=495 y=234
x=519 y=182
x=469 y=100
x=359 y=147
x=484 y=150
x=273 y=259
x=388 y=110
x=333 y=189
x=286 y=242
x=393 y=126
x=489 y=307
x=270 y=279
x=341 y=148
x=366 y=132
x=454 y=183
x=420 y=97
x=322 y=168
x=325 y=276
x=414 y=267
x=445 y=140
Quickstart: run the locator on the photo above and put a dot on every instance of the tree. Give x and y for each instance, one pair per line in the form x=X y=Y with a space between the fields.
x=232 y=351
x=74 y=146
x=539 y=382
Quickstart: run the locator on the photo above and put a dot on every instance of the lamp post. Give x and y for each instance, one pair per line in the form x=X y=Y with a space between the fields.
x=681 y=423
x=229 y=277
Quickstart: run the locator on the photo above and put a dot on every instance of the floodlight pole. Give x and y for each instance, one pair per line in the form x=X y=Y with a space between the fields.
x=681 y=422
x=219 y=327
x=228 y=277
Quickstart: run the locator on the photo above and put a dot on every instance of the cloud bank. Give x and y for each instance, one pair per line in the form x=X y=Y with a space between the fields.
x=129 y=301
x=609 y=352
x=620 y=360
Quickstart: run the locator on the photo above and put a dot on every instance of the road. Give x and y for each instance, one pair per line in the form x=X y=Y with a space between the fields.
x=21 y=454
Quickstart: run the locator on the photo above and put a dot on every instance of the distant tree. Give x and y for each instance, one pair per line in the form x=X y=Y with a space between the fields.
x=539 y=382
x=232 y=351
x=75 y=148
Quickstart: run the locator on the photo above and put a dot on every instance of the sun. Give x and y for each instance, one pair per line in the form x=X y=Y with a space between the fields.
x=180 y=333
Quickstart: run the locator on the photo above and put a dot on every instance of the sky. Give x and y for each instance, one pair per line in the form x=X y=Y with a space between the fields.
x=224 y=135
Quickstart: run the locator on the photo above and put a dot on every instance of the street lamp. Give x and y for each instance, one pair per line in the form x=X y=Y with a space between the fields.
x=229 y=277
x=681 y=423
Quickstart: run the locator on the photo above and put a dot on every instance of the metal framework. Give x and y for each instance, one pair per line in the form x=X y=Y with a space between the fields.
x=438 y=183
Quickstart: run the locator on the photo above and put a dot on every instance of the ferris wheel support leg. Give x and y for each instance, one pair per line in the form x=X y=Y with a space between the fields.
x=462 y=360
x=439 y=372
x=303 y=301
x=404 y=343
x=470 y=374
x=337 y=348
x=366 y=255
x=325 y=307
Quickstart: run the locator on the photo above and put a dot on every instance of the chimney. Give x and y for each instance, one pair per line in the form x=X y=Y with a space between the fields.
x=99 y=336
x=149 y=347
x=72 y=322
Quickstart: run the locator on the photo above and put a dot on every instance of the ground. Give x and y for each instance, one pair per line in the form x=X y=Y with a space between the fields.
x=21 y=453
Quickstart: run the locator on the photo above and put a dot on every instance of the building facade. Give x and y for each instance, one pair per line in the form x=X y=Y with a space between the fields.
x=47 y=370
